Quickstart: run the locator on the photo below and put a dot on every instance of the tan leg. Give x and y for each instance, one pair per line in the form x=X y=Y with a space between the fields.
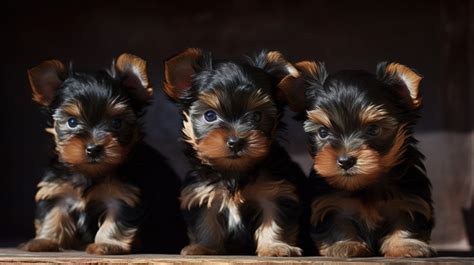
x=400 y=243
x=113 y=238
x=57 y=230
x=270 y=237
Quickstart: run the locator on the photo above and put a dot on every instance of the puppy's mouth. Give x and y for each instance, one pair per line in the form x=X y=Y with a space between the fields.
x=93 y=161
x=236 y=155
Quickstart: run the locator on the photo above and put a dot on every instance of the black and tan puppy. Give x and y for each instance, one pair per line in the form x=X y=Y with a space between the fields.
x=83 y=198
x=369 y=192
x=241 y=196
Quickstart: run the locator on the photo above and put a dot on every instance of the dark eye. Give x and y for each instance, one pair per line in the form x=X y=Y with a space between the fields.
x=210 y=116
x=372 y=130
x=116 y=123
x=72 y=122
x=323 y=132
x=256 y=116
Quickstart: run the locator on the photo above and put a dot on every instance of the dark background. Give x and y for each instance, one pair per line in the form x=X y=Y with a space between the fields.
x=434 y=37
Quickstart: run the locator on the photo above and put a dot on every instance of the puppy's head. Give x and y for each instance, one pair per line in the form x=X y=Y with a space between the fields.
x=95 y=116
x=358 y=123
x=231 y=109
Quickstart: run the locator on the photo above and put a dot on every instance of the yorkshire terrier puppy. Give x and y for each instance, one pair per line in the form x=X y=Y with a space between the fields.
x=369 y=191
x=242 y=193
x=82 y=197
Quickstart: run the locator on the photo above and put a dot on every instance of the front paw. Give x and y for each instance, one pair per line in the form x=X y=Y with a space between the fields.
x=279 y=250
x=409 y=248
x=106 y=249
x=197 y=249
x=40 y=245
x=346 y=249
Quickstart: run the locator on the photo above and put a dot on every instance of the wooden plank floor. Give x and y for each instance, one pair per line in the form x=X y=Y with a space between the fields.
x=14 y=256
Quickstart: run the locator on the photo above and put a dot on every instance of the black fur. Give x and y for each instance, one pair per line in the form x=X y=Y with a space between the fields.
x=343 y=96
x=106 y=111
x=237 y=82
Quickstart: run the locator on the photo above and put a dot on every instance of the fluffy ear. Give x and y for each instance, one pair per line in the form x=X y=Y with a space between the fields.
x=293 y=86
x=133 y=74
x=404 y=80
x=179 y=72
x=45 y=80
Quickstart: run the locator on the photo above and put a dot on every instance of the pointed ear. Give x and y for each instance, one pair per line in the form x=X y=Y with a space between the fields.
x=133 y=74
x=404 y=80
x=45 y=79
x=179 y=72
x=293 y=86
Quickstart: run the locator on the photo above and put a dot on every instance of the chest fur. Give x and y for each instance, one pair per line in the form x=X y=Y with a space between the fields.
x=216 y=197
x=372 y=213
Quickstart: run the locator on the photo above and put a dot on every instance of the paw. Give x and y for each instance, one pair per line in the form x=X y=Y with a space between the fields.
x=105 y=249
x=279 y=250
x=40 y=245
x=196 y=249
x=411 y=248
x=346 y=249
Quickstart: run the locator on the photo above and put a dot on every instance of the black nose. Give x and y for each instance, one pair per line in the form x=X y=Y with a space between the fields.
x=235 y=144
x=346 y=162
x=93 y=150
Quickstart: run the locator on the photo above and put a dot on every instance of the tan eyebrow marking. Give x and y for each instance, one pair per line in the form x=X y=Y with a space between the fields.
x=258 y=99
x=372 y=113
x=319 y=116
x=211 y=99
x=73 y=108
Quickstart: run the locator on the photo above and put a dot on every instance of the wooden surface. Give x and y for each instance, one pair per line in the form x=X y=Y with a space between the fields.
x=10 y=255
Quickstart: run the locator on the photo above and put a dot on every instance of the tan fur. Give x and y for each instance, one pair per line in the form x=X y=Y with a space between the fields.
x=401 y=244
x=211 y=99
x=259 y=100
x=40 y=245
x=44 y=80
x=271 y=240
x=345 y=249
x=114 y=190
x=371 y=114
x=309 y=68
x=115 y=108
x=128 y=62
x=395 y=155
x=197 y=249
x=51 y=190
x=74 y=109
x=203 y=194
x=347 y=206
x=209 y=231
x=371 y=214
x=319 y=116
x=72 y=151
x=112 y=234
x=57 y=226
x=409 y=78
x=179 y=71
x=369 y=168
x=213 y=150
x=188 y=131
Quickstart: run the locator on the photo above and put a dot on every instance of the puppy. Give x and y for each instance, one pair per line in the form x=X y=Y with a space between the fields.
x=82 y=198
x=368 y=189
x=242 y=194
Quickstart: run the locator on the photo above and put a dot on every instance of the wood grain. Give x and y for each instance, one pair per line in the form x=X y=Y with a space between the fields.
x=13 y=256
